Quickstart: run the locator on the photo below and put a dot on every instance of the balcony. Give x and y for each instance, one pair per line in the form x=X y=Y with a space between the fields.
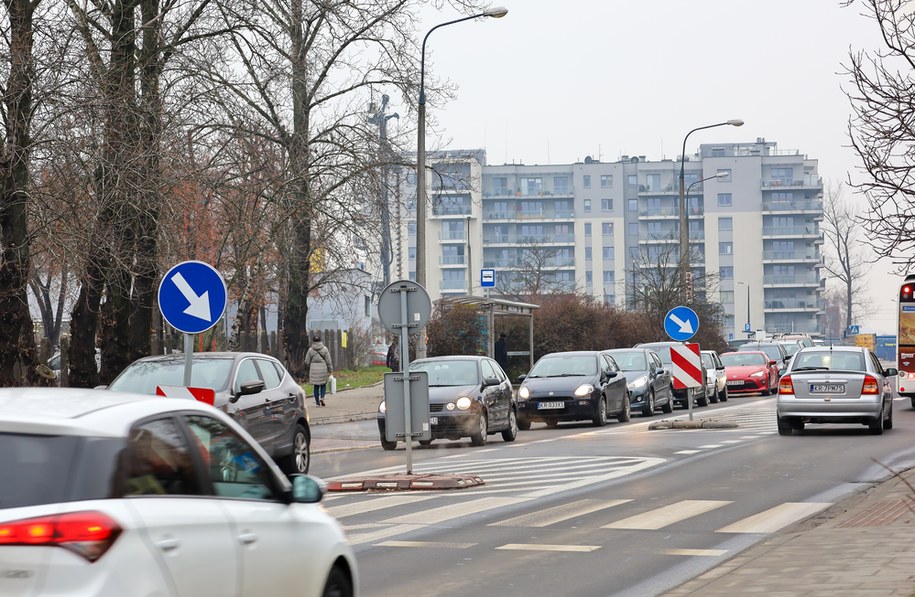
x=783 y=305
x=518 y=239
x=809 y=231
x=800 y=206
x=813 y=182
x=452 y=285
x=791 y=280
x=446 y=235
x=791 y=256
x=497 y=215
x=451 y=211
x=451 y=260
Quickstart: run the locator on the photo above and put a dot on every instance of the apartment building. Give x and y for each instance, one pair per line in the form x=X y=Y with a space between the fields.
x=754 y=215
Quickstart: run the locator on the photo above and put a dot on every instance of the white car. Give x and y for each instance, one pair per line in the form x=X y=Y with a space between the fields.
x=110 y=493
x=716 y=378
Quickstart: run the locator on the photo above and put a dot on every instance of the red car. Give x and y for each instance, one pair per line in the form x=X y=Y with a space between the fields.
x=750 y=371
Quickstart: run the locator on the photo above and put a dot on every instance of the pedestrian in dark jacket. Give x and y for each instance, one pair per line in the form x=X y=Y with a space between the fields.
x=317 y=359
x=393 y=359
x=502 y=351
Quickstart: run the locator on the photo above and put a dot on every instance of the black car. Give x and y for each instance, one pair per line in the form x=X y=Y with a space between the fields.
x=650 y=384
x=469 y=396
x=573 y=386
x=698 y=395
x=252 y=388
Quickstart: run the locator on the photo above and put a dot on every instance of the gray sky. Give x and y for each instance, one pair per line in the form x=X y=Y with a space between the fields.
x=554 y=81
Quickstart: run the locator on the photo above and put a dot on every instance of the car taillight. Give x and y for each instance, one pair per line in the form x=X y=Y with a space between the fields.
x=870 y=385
x=785 y=385
x=88 y=534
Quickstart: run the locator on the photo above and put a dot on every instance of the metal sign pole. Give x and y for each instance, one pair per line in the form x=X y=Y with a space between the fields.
x=188 y=358
x=405 y=371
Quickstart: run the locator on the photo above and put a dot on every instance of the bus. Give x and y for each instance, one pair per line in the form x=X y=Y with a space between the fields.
x=905 y=339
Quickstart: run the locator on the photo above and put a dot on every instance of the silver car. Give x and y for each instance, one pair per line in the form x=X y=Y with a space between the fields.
x=716 y=378
x=839 y=384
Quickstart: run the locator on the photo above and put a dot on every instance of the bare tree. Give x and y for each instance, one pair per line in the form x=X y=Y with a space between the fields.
x=845 y=261
x=882 y=129
x=534 y=273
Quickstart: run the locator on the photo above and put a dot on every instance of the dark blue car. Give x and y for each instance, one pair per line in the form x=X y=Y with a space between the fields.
x=573 y=386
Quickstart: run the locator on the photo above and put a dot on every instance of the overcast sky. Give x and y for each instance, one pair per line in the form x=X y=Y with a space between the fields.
x=554 y=81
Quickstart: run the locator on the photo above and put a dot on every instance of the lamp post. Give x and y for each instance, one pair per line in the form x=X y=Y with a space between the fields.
x=496 y=13
x=748 y=308
x=684 y=233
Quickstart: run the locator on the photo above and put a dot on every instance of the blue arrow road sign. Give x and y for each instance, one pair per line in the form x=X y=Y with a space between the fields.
x=681 y=323
x=192 y=296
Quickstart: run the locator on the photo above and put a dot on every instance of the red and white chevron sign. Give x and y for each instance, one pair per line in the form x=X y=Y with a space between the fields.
x=206 y=395
x=687 y=366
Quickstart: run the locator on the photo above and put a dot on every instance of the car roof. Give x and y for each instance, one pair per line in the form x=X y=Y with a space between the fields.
x=179 y=356
x=836 y=348
x=572 y=353
x=87 y=412
x=452 y=357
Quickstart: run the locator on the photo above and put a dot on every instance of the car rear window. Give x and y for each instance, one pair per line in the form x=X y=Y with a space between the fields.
x=56 y=468
x=142 y=377
x=827 y=359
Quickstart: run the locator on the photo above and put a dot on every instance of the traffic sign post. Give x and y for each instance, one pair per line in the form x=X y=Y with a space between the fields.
x=681 y=323
x=686 y=365
x=192 y=298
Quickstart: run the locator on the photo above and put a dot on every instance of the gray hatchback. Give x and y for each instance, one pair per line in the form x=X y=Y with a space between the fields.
x=254 y=389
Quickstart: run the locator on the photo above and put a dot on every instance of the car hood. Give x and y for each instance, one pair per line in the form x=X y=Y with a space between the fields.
x=543 y=385
x=446 y=394
x=744 y=370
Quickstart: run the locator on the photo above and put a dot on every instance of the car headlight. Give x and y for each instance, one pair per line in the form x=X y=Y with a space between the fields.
x=584 y=389
x=524 y=392
x=758 y=374
x=463 y=403
x=639 y=383
x=382 y=408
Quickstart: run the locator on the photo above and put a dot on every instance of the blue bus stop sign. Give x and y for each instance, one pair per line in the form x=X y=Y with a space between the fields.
x=681 y=323
x=192 y=296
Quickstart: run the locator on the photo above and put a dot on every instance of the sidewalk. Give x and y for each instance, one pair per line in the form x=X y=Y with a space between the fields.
x=863 y=546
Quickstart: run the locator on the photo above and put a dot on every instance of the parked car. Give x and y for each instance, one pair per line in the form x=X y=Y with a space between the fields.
x=750 y=372
x=804 y=339
x=839 y=384
x=791 y=346
x=572 y=386
x=716 y=378
x=697 y=395
x=118 y=494
x=252 y=388
x=775 y=351
x=469 y=396
x=650 y=385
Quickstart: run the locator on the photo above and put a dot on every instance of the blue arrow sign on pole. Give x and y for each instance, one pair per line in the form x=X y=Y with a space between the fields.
x=192 y=296
x=681 y=323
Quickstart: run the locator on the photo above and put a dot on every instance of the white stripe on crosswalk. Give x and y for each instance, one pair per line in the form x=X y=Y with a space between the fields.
x=450 y=512
x=426 y=544
x=545 y=518
x=775 y=518
x=376 y=503
x=549 y=547
x=362 y=538
x=713 y=553
x=667 y=515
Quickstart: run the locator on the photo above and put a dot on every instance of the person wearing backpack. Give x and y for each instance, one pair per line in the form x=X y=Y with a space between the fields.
x=317 y=359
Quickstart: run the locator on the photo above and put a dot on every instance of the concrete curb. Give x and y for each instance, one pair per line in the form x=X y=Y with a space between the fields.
x=423 y=482
x=694 y=424
x=343 y=418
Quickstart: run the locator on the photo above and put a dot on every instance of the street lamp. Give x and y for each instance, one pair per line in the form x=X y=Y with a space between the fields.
x=684 y=234
x=748 y=331
x=496 y=13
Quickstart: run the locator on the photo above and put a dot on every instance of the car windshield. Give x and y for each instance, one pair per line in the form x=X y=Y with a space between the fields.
x=633 y=360
x=829 y=360
x=564 y=366
x=791 y=347
x=770 y=349
x=743 y=359
x=143 y=376
x=449 y=373
x=707 y=361
x=663 y=352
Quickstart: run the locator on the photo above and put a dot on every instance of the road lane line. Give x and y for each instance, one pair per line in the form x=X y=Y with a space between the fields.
x=452 y=511
x=714 y=553
x=775 y=518
x=426 y=544
x=667 y=515
x=545 y=518
x=688 y=452
x=548 y=547
x=362 y=538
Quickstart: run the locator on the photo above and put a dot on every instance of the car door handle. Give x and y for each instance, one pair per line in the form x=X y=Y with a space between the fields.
x=247 y=538
x=168 y=544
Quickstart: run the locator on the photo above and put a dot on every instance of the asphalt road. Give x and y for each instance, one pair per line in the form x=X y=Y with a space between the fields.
x=579 y=510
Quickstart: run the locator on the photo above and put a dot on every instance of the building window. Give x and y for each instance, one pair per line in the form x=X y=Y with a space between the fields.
x=411 y=228
x=561 y=184
x=655 y=230
x=725 y=200
x=588 y=254
x=587 y=206
x=725 y=248
x=653 y=182
x=606 y=204
x=726 y=272
x=724 y=175
x=411 y=253
x=725 y=224
x=782 y=175
x=634 y=252
x=586 y=181
x=587 y=228
x=367 y=306
x=633 y=228
x=607 y=253
x=632 y=180
x=727 y=297
x=589 y=277
x=531 y=186
x=607 y=228
x=606 y=181
x=609 y=277
x=633 y=205
x=500 y=185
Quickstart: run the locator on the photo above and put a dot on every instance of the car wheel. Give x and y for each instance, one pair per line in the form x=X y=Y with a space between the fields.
x=425 y=442
x=724 y=396
x=876 y=426
x=888 y=423
x=668 y=407
x=600 y=417
x=784 y=427
x=386 y=445
x=703 y=400
x=626 y=413
x=714 y=398
x=648 y=409
x=338 y=584
x=300 y=459
x=510 y=434
x=524 y=423
x=479 y=438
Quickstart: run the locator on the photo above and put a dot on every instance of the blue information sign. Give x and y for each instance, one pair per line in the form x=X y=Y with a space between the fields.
x=487 y=278
x=192 y=296
x=854 y=329
x=681 y=323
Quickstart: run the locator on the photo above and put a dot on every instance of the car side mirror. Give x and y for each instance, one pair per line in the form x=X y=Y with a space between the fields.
x=890 y=372
x=771 y=362
x=249 y=387
x=307 y=489
x=490 y=381
x=661 y=371
x=522 y=377
x=611 y=374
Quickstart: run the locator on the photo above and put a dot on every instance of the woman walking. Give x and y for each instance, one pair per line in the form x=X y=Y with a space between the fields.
x=317 y=359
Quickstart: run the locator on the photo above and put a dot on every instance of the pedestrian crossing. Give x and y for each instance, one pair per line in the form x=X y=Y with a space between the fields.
x=389 y=520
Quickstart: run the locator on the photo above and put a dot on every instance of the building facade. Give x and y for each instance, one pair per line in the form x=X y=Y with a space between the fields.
x=754 y=215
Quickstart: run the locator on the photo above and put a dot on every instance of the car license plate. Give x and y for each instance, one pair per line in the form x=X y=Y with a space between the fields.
x=433 y=420
x=827 y=388
x=735 y=383
x=548 y=405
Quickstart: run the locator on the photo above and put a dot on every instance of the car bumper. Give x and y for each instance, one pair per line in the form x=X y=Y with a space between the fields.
x=747 y=386
x=573 y=409
x=833 y=411
x=681 y=396
x=638 y=397
x=447 y=425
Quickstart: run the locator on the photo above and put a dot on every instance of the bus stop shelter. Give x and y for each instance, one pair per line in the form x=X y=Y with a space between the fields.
x=492 y=308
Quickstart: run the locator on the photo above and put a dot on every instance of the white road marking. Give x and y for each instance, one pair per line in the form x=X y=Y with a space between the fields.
x=547 y=547
x=545 y=518
x=709 y=446
x=688 y=452
x=426 y=544
x=667 y=515
x=694 y=552
x=450 y=512
x=362 y=538
x=376 y=503
x=775 y=518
